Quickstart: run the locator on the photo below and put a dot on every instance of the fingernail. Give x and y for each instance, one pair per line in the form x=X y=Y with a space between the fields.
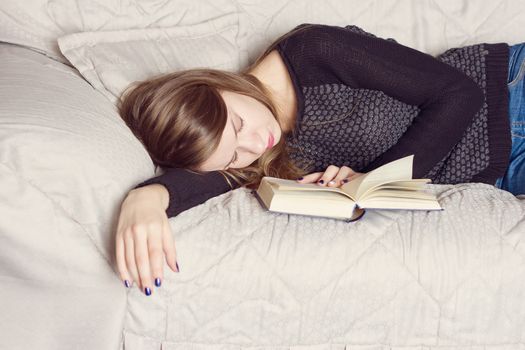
x=332 y=182
x=127 y=284
x=321 y=182
x=300 y=178
x=157 y=282
x=345 y=180
x=147 y=290
x=176 y=264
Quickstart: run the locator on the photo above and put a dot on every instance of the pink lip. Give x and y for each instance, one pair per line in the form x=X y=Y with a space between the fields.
x=270 y=141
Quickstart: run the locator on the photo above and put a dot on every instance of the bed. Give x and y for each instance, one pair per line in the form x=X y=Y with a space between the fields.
x=249 y=279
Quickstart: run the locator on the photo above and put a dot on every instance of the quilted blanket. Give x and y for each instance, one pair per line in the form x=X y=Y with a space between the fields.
x=393 y=280
x=249 y=279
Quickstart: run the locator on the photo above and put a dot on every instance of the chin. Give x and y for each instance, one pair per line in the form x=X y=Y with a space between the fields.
x=276 y=140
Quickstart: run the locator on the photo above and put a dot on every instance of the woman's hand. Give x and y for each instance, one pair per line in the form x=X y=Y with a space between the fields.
x=333 y=176
x=144 y=237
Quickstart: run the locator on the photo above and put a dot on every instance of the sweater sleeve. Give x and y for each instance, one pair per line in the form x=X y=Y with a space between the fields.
x=447 y=98
x=188 y=189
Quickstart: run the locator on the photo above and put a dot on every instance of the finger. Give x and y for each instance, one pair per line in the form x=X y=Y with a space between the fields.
x=155 y=257
x=329 y=175
x=168 y=244
x=352 y=177
x=121 y=261
x=310 y=178
x=142 y=260
x=344 y=173
x=130 y=257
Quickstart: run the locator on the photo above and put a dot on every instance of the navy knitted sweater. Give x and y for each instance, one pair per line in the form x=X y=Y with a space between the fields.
x=364 y=101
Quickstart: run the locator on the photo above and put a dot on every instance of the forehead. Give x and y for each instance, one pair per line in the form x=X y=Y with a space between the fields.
x=231 y=98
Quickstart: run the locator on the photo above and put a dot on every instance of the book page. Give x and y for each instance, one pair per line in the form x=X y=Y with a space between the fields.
x=416 y=185
x=401 y=185
x=400 y=203
x=395 y=194
x=291 y=185
x=398 y=170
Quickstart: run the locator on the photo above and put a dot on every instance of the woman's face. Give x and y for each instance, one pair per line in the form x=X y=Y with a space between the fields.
x=251 y=130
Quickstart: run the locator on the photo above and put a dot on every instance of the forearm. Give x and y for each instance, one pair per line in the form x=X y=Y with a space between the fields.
x=438 y=127
x=447 y=98
x=187 y=189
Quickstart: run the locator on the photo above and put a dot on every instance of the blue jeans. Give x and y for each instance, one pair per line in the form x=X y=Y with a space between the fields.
x=514 y=179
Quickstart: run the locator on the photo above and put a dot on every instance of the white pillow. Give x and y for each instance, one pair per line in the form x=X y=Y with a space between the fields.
x=38 y=23
x=67 y=161
x=111 y=60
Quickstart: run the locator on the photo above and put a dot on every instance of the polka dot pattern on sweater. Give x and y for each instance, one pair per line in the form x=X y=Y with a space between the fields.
x=343 y=125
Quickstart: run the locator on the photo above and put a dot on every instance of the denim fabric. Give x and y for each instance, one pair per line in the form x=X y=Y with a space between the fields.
x=514 y=178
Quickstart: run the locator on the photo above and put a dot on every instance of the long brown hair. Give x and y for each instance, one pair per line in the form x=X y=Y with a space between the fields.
x=179 y=117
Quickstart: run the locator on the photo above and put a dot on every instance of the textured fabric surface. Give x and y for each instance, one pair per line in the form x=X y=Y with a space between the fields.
x=365 y=107
x=345 y=126
x=248 y=279
x=111 y=60
x=66 y=162
x=38 y=23
x=428 y=25
x=478 y=156
x=392 y=280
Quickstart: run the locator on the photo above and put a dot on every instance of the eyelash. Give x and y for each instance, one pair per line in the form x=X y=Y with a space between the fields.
x=242 y=124
x=240 y=129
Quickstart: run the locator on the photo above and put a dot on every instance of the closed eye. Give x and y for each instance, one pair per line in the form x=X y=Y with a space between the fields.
x=242 y=124
x=238 y=131
x=235 y=156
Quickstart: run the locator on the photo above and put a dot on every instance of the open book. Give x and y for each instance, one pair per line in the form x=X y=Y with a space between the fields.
x=388 y=187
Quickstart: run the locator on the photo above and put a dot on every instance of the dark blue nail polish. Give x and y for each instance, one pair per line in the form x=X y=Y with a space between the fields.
x=321 y=182
x=126 y=283
x=147 y=290
x=176 y=264
x=157 y=282
x=300 y=178
x=345 y=180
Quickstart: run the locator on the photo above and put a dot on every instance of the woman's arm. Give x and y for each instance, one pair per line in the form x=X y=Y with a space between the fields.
x=144 y=238
x=448 y=99
x=186 y=189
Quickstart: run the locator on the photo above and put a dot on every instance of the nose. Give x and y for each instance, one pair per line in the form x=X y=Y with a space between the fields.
x=252 y=143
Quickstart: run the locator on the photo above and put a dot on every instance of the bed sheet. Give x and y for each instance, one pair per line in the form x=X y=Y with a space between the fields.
x=66 y=163
x=249 y=279
x=392 y=280
x=428 y=25
x=431 y=26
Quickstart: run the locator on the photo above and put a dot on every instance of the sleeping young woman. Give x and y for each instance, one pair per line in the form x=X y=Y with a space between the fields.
x=320 y=105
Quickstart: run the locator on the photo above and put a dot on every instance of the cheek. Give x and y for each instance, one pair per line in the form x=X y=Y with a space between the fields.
x=246 y=161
